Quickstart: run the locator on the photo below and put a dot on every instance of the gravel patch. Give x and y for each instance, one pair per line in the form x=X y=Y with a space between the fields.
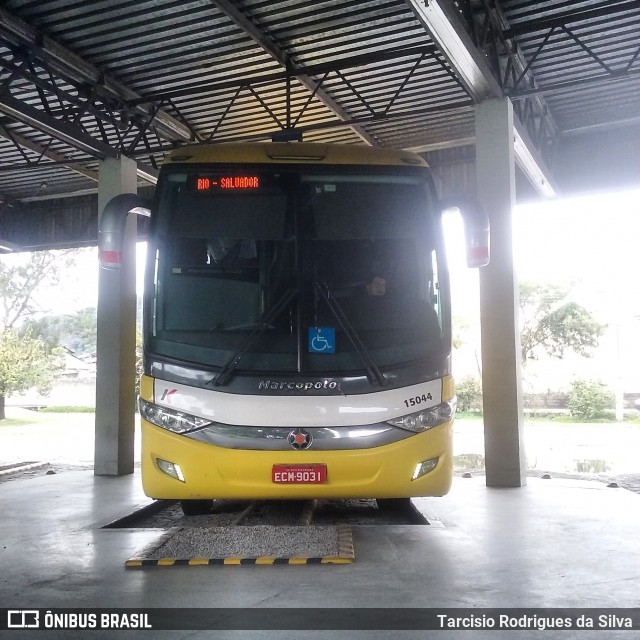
x=250 y=542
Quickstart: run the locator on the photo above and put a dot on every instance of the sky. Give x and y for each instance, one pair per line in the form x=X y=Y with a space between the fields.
x=590 y=243
x=592 y=239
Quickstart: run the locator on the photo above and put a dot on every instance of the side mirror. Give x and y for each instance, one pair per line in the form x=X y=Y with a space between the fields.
x=112 y=225
x=476 y=229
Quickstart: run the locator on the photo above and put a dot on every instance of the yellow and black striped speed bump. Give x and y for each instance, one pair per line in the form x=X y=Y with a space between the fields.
x=265 y=545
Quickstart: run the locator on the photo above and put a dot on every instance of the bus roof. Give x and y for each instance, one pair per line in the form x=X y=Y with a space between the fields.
x=293 y=152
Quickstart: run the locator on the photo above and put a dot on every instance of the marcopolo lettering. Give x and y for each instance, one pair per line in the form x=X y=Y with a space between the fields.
x=298 y=385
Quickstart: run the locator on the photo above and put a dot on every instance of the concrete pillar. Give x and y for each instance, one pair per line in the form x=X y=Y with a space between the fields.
x=115 y=374
x=501 y=365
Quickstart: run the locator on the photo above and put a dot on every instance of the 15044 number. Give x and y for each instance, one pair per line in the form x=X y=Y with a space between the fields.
x=418 y=400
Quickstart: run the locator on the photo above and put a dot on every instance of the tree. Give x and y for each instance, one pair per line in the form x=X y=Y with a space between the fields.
x=24 y=360
x=589 y=399
x=76 y=332
x=25 y=363
x=23 y=276
x=552 y=325
x=469 y=393
x=21 y=279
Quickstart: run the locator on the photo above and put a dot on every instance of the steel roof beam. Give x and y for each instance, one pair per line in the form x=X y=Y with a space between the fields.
x=69 y=134
x=446 y=28
x=566 y=17
x=21 y=141
x=41 y=121
x=74 y=69
x=190 y=90
x=409 y=114
x=584 y=81
x=20 y=33
x=533 y=112
x=271 y=48
x=441 y=19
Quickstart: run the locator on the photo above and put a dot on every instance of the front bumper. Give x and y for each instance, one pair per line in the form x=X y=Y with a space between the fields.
x=211 y=471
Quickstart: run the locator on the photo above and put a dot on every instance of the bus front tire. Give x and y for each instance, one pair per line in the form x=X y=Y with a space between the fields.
x=393 y=504
x=196 y=507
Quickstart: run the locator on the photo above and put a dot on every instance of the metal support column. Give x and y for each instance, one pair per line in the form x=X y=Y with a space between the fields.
x=501 y=365
x=115 y=375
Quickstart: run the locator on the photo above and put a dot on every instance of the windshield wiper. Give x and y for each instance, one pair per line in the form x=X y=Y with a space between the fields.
x=232 y=363
x=373 y=371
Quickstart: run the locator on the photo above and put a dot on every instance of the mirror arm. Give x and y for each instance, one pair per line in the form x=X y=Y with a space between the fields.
x=112 y=225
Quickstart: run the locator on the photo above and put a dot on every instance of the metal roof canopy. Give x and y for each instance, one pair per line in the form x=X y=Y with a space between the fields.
x=83 y=81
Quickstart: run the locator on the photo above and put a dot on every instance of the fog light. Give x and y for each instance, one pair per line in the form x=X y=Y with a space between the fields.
x=171 y=469
x=424 y=467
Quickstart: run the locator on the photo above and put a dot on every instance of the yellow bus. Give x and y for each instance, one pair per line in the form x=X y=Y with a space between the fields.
x=297 y=326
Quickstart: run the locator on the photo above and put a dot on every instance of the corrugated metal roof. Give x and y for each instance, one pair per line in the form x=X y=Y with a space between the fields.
x=214 y=70
x=586 y=55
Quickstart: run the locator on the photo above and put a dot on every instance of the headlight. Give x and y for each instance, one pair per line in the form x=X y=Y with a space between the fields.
x=426 y=418
x=176 y=421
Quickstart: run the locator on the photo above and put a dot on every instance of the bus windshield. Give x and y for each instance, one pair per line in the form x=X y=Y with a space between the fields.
x=286 y=270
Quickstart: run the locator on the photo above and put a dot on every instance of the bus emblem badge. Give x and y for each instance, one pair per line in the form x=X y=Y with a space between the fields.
x=300 y=439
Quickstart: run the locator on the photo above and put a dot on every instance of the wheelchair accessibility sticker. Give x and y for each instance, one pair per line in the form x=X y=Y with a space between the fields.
x=322 y=340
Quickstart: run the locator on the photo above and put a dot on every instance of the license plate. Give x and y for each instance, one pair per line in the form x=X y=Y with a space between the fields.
x=299 y=473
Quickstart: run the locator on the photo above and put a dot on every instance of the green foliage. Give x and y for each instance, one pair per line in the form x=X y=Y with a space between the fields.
x=469 y=415
x=75 y=332
x=589 y=399
x=68 y=409
x=25 y=363
x=469 y=392
x=551 y=325
x=15 y=422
